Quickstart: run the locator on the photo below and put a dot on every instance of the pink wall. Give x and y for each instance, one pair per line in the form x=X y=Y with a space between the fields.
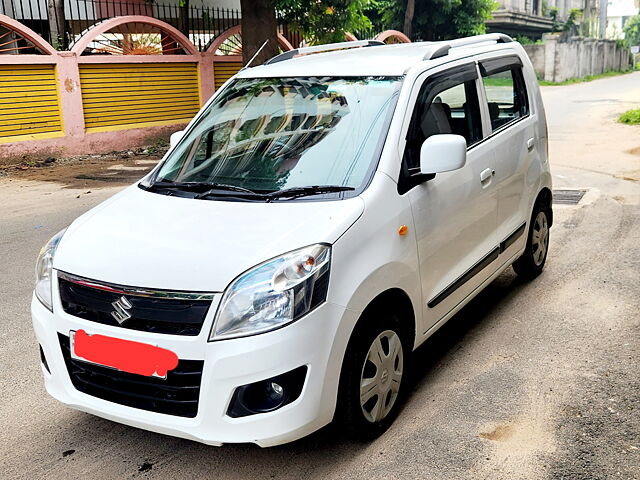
x=76 y=140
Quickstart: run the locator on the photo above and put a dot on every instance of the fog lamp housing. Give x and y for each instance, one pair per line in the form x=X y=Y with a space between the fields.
x=267 y=395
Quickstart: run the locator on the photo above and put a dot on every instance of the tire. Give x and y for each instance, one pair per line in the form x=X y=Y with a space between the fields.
x=362 y=421
x=532 y=261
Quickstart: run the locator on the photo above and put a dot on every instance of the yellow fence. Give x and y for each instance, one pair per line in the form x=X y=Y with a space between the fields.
x=29 y=102
x=116 y=95
x=223 y=71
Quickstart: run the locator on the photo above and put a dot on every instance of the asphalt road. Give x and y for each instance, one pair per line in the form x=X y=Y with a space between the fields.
x=530 y=381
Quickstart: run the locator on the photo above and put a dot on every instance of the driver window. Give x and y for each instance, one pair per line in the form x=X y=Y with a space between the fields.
x=447 y=103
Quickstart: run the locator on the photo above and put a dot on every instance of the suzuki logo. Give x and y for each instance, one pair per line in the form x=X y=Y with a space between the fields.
x=121 y=310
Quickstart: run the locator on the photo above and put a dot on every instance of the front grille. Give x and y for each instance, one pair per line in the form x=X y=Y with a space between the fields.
x=175 y=395
x=157 y=313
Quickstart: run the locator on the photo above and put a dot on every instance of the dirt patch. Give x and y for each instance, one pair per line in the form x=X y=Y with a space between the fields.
x=89 y=171
x=499 y=434
x=633 y=176
x=519 y=445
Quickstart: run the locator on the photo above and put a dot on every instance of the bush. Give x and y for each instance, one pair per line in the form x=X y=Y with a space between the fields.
x=630 y=117
x=632 y=31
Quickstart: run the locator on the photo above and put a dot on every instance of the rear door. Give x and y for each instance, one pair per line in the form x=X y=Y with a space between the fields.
x=454 y=212
x=513 y=143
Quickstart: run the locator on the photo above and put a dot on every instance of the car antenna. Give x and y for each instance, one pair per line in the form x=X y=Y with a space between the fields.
x=255 y=55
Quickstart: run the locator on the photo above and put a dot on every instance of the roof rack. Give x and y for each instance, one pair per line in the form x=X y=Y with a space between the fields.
x=443 y=50
x=322 y=48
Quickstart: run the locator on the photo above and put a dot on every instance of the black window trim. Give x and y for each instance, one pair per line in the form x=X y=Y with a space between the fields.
x=404 y=182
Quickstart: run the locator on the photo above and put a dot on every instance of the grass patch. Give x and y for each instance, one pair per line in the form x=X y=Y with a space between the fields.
x=630 y=117
x=588 y=78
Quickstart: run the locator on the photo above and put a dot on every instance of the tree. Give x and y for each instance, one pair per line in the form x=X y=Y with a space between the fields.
x=632 y=31
x=183 y=17
x=320 y=21
x=408 y=17
x=441 y=19
x=258 y=25
x=55 y=13
x=325 y=21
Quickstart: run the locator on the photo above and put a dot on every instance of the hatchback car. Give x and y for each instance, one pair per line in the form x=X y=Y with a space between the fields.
x=318 y=220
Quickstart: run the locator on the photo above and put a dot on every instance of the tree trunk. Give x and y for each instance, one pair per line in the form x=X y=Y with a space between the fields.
x=258 y=24
x=408 y=17
x=55 y=13
x=183 y=17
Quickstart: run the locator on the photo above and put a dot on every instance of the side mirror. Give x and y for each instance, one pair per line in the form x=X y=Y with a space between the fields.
x=443 y=153
x=175 y=138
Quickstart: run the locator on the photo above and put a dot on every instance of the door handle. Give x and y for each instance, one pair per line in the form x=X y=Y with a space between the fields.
x=486 y=175
x=530 y=144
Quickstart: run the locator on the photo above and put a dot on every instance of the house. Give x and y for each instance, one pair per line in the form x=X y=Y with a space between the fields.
x=618 y=12
x=530 y=18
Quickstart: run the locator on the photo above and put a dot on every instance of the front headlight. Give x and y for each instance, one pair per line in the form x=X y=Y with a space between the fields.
x=44 y=270
x=274 y=293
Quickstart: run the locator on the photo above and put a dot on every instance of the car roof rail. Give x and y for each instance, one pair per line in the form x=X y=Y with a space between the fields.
x=288 y=55
x=442 y=49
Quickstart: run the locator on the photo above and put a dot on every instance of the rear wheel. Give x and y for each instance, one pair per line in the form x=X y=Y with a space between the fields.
x=532 y=261
x=373 y=378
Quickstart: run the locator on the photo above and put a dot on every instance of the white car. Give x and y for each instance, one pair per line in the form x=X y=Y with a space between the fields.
x=318 y=220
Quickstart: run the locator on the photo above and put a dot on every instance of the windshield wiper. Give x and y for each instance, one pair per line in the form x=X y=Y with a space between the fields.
x=217 y=188
x=211 y=188
x=295 y=192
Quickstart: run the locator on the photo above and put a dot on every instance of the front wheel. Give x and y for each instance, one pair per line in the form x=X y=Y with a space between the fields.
x=373 y=378
x=532 y=261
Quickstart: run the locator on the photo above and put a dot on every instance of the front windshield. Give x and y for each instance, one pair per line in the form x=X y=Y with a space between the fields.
x=270 y=134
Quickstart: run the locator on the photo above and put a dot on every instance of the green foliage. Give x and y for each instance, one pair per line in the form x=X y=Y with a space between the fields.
x=523 y=40
x=630 y=117
x=632 y=31
x=386 y=14
x=570 y=24
x=440 y=19
x=325 y=21
x=553 y=13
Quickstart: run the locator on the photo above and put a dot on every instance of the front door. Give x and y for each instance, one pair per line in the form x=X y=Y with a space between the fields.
x=454 y=212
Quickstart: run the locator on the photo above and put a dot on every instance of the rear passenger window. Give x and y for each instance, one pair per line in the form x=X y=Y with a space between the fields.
x=506 y=95
x=447 y=103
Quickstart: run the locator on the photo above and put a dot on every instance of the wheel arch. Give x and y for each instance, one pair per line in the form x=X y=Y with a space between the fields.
x=545 y=197
x=393 y=300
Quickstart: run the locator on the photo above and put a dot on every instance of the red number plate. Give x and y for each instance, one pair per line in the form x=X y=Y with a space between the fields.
x=124 y=355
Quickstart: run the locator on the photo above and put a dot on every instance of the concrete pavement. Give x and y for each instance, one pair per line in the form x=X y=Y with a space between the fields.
x=530 y=381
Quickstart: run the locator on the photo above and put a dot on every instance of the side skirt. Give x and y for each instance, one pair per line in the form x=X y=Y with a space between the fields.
x=466 y=300
x=479 y=266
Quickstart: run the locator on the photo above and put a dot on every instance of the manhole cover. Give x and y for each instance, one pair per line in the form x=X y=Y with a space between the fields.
x=568 y=197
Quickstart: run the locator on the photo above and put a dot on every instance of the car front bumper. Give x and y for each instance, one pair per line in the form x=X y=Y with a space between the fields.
x=315 y=341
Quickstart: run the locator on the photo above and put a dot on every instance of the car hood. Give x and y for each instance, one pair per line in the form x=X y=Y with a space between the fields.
x=144 y=239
